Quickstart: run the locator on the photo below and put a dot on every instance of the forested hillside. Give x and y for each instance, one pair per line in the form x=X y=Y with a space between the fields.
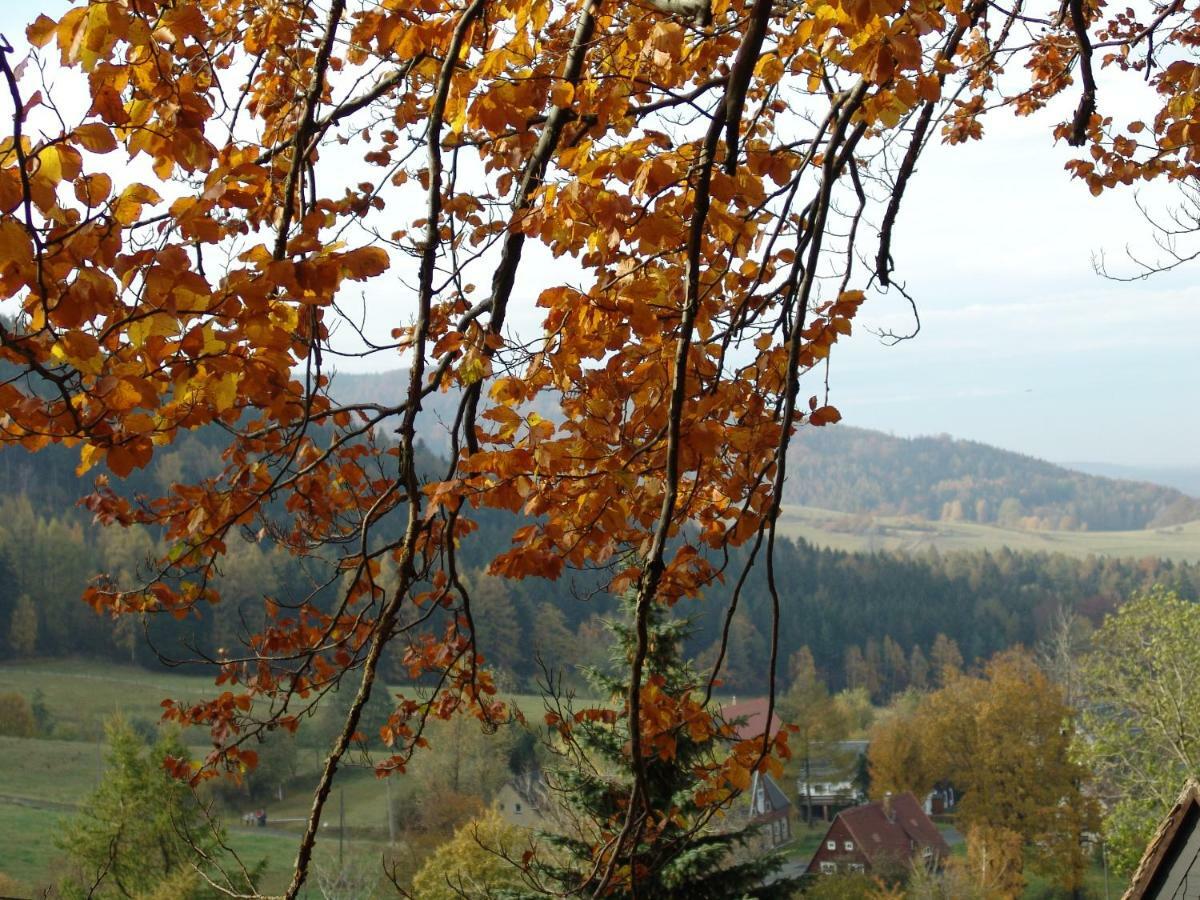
x=858 y=612
x=857 y=470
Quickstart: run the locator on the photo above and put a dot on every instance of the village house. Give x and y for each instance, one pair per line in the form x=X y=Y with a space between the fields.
x=1170 y=867
x=831 y=784
x=768 y=809
x=883 y=838
x=770 y=812
x=525 y=801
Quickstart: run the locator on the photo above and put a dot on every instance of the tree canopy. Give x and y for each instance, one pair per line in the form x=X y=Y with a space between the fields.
x=1140 y=708
x=475 y=862
x=1003 y=739
x=185 y=247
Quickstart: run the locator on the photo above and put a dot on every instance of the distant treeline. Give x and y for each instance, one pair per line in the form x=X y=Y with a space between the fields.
x=860 y=613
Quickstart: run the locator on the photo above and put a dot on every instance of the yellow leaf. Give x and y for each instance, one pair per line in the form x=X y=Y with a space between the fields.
x=365 y=262
x=15 y=244
x=50 y=164
x=95 y=137
x=222 y=392
x=40 y=32
x=89 y=455
x=79 y=349
x=508 y=390
x=123 y=396
x=473 y=368
x=562 y=94
x=143 y=328
x=128 y=207
x=70 y=33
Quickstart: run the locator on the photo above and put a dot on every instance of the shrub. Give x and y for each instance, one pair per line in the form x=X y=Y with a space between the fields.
x=16 y=716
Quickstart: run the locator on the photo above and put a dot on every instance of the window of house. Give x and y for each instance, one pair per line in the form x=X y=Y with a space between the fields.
x=857 y=868
x=848 y=845
x=518 y=807
x=828 y=868
x=831 y=845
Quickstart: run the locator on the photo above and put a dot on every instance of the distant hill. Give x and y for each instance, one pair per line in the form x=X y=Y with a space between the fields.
x=390 y=388
x=944 y=479
x=855 y=470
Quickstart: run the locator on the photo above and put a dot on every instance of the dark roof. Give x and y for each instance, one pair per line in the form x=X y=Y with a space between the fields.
x=907 y=829
x=753 y=714
x=776 y=797
x=1169 y=835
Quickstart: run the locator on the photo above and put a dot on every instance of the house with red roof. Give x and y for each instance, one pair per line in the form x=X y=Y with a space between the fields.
x=769 y=809
x=884 y=837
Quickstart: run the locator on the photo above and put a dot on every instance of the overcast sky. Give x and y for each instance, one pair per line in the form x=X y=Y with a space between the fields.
x=1022 y=344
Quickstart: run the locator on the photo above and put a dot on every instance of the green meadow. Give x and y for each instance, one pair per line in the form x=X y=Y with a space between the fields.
x=845 y=531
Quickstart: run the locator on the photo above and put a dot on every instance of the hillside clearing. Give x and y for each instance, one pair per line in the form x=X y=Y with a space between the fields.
x=858 y=533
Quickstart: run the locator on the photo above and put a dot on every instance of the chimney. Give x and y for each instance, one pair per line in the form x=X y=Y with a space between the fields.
x=887 y=807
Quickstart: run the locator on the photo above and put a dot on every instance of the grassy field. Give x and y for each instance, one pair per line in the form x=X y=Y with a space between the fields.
x=81 y=695
x=806 y=839
x=52 y=772
x=843 y=531
x=31 y=857
x=42 y=780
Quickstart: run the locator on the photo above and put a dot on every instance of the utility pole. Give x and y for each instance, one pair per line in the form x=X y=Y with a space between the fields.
x=341 y=828
x=391 y=812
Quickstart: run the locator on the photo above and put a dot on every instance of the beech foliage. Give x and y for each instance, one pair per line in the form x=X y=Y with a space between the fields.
x=193 y=243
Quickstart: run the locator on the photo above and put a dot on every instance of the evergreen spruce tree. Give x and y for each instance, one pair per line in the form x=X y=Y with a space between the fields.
x=688 y=854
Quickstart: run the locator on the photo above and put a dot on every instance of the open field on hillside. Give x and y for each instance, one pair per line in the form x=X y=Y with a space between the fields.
x=81 y=694
x=43 y=780
x=845 y=531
